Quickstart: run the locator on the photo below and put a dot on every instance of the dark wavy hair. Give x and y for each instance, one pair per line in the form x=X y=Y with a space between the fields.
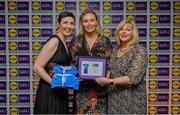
x=65 y=14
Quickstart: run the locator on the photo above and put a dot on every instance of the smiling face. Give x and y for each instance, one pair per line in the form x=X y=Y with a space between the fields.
x=126 y=33
x=66 y=26
x=89 y=23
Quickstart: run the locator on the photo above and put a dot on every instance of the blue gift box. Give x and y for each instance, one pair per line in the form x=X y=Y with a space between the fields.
x=65 y=76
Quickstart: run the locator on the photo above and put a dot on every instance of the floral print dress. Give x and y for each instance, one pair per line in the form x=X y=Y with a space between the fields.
x=132 y=99
x=89 y=90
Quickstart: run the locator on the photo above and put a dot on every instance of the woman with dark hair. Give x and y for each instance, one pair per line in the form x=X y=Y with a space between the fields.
x=55 y=51
x=91 y=97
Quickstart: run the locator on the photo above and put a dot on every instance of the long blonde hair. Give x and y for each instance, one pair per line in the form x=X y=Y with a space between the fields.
x=81 y=29
x=135 y=38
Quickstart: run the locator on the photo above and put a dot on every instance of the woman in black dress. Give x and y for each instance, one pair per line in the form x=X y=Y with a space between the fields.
x=91 y=97
x=53 y=101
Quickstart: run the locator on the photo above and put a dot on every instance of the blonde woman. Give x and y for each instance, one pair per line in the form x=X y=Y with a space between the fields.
x=128 y=64
x=91 y=97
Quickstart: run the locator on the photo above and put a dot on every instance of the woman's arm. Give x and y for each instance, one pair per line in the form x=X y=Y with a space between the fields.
x=134 y=75
x=45 y=55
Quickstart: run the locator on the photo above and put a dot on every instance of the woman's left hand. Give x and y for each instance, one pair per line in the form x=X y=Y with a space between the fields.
x=102 y=81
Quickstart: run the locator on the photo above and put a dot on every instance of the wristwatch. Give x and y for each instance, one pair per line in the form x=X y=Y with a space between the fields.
x=111 y=82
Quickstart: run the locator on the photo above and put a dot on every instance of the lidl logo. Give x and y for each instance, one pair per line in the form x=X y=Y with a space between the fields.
x=153 y=45
x=130 y=6
x=13 y=98
x=36 y=32
x=13 y=72
x=153 y=32
x=176 y=58
x=152 y=84
x=36 y=46
x=177 y=5
x=176 y=71
x=12 y=19
x=153 y=71
x=177 y=18
x=154 y=19
x=36 y=6
x=175 y=110
x=154 y=5
x=12 y=32
x=176 y=45
x=153 y=58
x=13 y=59
x=107 y=6
x=83 y=5
x=152 y=97
x=13 y=85
x=59 y=6
x=176 y=84
x=36 y=19
x=176 y=32
x=35 y=85
x=131 y=17
x=175 y=97
x=12 y=46
x=107 y=32
x=12 y=5
x=107 y=19
x=14 y=110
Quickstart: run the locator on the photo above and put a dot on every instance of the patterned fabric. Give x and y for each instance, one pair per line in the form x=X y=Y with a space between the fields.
x=90 y=92
x=128 y=100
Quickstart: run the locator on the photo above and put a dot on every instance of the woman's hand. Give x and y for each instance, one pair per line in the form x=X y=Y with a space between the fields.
x=102 y=81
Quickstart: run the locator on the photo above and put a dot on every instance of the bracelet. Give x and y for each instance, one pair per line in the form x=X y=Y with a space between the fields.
x=111 y=82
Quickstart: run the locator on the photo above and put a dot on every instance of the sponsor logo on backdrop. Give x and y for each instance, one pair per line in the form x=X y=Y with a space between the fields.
x=36 y=19
x=107 y=32
x=175 y=71
x=107 y=19
x=59 y=6
x=83 y=5
x=12 y=5
x=35 y=5
x=13 y=98
x=152 y=110
x=117 y=6
x=13 y=85
x=107 y=6
x=13 y=72
x=12 y=32
x=14 y=110
x=176 y=5
x=130 y=6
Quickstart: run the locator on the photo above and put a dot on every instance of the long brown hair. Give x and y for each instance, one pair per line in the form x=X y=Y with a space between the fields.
x=81 y=29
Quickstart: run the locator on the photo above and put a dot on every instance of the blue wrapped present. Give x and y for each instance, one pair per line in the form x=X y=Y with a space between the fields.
x=65 y=76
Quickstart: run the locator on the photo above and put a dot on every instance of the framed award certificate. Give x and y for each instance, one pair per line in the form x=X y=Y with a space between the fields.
x=92 y=67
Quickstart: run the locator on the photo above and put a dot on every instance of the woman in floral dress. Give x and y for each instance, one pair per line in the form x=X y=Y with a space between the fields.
x=91 y=97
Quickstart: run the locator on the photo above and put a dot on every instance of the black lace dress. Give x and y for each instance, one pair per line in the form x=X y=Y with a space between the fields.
x=53 y=101
x=101 y=48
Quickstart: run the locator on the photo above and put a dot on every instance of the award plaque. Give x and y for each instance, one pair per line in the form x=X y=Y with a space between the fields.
x=92 y=67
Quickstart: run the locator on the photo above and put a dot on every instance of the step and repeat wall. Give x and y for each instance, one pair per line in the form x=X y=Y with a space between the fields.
x=25 y=26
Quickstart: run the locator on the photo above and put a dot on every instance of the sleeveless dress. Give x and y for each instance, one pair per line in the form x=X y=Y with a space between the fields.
x=53 y=101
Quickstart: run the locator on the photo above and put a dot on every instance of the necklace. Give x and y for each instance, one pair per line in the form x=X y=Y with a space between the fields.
x=124 y=49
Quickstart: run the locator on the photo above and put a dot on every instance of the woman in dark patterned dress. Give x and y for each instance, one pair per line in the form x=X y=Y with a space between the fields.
x=91 y=97
x=128 y=64
x=53 y=101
